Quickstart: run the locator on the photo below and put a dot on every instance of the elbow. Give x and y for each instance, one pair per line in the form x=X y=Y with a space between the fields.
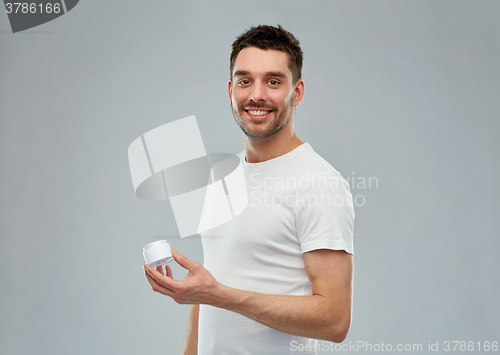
x=338 y=331
x=338 y=336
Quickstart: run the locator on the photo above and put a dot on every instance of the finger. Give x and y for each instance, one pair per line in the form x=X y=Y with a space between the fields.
x=160 y=269
x=159 y=288
x=153 y=282
x=182 y=260
x=168 y=271
x=154 y=272
x=160 y=278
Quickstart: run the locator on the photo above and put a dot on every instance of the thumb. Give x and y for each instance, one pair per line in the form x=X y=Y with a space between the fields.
x=182 y=260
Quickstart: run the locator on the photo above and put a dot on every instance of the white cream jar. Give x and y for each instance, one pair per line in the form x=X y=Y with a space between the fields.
x=157 y=253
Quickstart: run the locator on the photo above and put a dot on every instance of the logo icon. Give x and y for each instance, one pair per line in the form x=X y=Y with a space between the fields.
x=205 y=190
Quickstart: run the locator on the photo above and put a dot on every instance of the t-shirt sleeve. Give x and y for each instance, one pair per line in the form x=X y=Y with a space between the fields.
x=324 y=214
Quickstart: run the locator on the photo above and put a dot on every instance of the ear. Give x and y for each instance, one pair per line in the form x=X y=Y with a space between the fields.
x=298 y=94
x=230 y=89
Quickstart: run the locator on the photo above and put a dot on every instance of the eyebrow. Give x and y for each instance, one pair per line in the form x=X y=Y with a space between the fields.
x=241 y=73
x=276 y=73
x=269 y=73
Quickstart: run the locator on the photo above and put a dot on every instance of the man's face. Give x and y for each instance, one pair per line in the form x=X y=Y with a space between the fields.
x=262 y=92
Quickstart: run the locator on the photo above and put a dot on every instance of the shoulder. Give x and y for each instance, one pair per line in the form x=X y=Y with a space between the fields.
x=316 y=169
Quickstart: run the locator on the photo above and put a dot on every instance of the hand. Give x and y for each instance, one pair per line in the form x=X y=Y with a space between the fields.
x=198 y=287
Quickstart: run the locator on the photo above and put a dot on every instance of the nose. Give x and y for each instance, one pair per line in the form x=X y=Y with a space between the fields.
x=258 y=92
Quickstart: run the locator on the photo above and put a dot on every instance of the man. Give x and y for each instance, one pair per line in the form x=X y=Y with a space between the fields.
x=281 y=275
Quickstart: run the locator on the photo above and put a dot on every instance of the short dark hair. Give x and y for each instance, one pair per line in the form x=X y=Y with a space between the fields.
x=270 y=37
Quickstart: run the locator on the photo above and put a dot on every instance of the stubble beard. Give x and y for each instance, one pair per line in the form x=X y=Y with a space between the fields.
x=274 y=127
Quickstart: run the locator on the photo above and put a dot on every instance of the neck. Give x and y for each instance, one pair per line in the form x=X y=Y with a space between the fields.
x=283 y=142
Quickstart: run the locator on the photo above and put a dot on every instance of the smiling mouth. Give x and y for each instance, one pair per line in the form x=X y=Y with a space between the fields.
x=258 y=112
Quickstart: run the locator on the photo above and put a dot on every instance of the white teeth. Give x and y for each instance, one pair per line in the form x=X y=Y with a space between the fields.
x=258 y=113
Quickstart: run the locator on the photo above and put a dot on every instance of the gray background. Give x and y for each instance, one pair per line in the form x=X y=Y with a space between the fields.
x=404 y=91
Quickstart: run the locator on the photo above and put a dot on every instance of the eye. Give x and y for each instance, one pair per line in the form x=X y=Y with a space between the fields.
x=243 y=82
x=273 y=82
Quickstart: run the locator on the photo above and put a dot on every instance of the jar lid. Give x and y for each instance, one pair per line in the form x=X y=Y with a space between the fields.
x=150 y=245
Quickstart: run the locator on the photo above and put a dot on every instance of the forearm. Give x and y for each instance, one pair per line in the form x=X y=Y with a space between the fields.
x=191 y=338
x=309 y=316
x=324 y=315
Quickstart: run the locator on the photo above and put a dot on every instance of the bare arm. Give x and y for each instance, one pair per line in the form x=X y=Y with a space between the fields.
x=324 y=315
x=191 y=338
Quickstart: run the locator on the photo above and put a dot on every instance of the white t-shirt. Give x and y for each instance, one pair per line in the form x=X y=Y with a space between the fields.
x=296 y=203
